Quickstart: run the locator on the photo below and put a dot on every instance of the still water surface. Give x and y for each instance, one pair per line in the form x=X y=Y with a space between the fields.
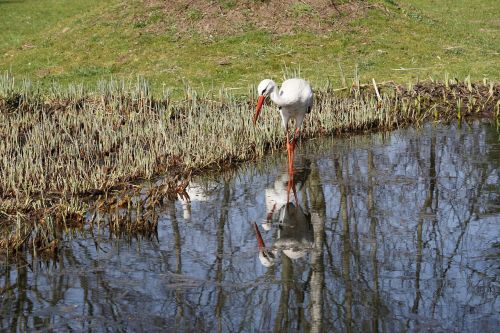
x=388 y=233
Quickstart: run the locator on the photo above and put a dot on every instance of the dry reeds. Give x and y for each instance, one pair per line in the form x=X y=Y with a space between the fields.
x=60 y=147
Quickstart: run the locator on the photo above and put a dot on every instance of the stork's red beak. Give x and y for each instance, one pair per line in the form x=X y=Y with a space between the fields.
x=260 y=241
x=260 y=101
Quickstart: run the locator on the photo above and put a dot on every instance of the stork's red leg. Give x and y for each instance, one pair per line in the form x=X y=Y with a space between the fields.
x=293 y=144
x=296 y=135
x=292 y=150
x=291 y=186
x=288 y=150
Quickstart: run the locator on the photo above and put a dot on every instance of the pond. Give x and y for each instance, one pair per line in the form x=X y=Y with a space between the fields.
x=386 y=232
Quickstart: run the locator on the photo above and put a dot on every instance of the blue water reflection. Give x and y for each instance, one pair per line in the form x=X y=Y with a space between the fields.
x=388 y=232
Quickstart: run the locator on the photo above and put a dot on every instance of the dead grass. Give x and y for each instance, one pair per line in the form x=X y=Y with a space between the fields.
x=61 y=151
x=224 y=18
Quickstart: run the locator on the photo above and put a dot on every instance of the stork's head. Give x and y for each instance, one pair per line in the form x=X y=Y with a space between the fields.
x=267 y=258
x=264 y=89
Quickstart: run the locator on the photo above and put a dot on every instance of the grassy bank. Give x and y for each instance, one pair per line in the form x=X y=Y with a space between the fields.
x=62 y=149
x=174 y=44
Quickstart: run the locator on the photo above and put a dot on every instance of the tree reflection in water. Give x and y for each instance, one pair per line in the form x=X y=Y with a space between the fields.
x=389 y=232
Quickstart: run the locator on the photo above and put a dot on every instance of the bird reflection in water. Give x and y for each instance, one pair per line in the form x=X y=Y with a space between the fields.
x=292 y=221
x=196 y=193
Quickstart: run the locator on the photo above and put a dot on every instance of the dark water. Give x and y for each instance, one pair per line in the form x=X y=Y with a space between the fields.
x=390 y=232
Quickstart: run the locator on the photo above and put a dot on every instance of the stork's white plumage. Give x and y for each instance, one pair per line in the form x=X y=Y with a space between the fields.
x=294 y=100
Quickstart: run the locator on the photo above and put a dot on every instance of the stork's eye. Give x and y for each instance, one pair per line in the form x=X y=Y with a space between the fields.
x=264 y=91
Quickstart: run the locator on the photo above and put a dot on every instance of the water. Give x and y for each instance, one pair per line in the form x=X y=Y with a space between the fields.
x=389 y=232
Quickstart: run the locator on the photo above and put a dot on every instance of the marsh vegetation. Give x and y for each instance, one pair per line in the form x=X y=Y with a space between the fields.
x=63 y=147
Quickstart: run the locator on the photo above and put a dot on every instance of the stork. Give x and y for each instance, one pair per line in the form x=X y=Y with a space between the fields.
x=294 y=100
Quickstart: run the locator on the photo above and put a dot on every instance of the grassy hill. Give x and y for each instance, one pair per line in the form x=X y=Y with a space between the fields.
x=234 y=44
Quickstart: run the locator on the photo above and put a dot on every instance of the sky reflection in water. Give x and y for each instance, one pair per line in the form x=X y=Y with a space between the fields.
x=389 y=232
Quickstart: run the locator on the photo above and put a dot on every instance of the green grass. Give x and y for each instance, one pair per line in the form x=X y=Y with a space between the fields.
x=301 y=9
x=84 y=41
x=22 y=21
